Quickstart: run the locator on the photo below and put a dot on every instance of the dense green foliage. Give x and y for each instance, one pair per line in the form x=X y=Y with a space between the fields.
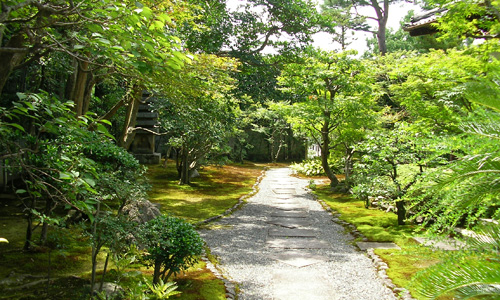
x=172 y=245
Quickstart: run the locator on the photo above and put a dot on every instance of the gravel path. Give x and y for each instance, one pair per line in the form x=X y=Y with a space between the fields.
x=315 y=260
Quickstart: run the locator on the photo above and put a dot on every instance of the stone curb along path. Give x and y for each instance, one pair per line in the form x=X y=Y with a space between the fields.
x=282 y=244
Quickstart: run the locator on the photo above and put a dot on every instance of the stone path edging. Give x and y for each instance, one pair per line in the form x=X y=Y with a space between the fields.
x=255 y=189
x=380 y=265
x=231 y=288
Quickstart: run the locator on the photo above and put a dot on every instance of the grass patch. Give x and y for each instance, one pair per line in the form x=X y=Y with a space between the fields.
x=217 y=189
x=376 y=225
x=379 y=226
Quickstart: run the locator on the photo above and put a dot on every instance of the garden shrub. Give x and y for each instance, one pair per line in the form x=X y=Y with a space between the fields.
x=313 y=167
x=171 y=245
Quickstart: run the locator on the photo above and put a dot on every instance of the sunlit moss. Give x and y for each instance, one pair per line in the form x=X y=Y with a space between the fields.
x=216 y=190
x=379 y=226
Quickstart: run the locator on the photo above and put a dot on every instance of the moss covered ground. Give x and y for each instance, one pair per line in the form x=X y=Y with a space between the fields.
x=381 y=226
x=218 y=189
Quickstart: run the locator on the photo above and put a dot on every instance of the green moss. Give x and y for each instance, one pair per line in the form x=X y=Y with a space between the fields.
x=216 y=190
x=199 y=283
x=380 y=226
x=403 y=265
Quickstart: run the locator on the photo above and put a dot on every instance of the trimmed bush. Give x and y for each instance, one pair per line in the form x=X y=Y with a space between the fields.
x=171 y=245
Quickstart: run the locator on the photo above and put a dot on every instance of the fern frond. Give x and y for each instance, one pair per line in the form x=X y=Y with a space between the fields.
x=469 y=273
x=485 y=92
x=485 y=291
x=483 y=123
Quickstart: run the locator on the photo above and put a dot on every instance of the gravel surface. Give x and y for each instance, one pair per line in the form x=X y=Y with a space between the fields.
x=244 y=257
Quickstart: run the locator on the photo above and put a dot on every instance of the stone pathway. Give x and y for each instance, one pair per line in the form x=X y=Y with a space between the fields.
x=283 y=245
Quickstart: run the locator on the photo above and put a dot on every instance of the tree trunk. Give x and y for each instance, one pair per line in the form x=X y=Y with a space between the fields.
x=157 y=272
x=349 y=152
x=382 y=17
x=381 y=39
x=87 y=96
x=49 y=206
x=325 y=152
x=184 y=179
x=78 y=86
x=29 y=231
x=400 y=206
x=134 y=100
x=9 y=60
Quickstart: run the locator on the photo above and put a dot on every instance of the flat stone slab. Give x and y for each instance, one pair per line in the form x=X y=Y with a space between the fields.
x=283 y=186
x=289 y=222
x=286 y=201
x=368 y=245
x=283 y=197
x=297 y=243
x=289 y=207
x=291 y=232
x=298 y=259
x=289 y=214
x=447 y=245
x=285 y=191
x=299 y=285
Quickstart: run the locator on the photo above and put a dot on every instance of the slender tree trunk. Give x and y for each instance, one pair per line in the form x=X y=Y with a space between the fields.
x=87 y=96
x=400 y=206
x=382 y=17
x=184 y=179
x=157 y=272
x=95 y=251
x=348 y=164
x=130 y=118
x=78 y=87
x=104 y=272
x=29 y=231
x=325 y=152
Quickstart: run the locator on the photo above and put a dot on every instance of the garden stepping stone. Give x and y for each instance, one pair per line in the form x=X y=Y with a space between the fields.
x=375 y=245
x=289 y=214
x=297 y=243
x=447 y=245
x=289 y=222
x=299 y=285
x=285 y=191
x=289 y=207
x=286 y=201
x=291 y=232
x=298 y=259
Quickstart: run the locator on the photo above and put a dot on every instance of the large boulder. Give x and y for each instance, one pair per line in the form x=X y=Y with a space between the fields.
x=141 y=211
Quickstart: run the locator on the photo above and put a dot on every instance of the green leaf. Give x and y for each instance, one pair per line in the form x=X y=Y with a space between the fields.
x=157 y=25
x=16 y=126
x=165 y=18
x=65 y=176
x=104 y=41
x=21 y=96
x=90 y=181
